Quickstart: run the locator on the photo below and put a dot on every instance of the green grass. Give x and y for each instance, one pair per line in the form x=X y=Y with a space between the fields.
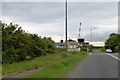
x=54 y=65
x=32 y=64
x=117 y=53
x=1 y=57
x=0 y=70
x=0 y=66
x=60 y=68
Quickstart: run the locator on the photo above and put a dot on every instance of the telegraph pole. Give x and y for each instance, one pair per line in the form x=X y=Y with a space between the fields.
x=66 y=55
x=79 y=29
x=91 y=35
x=91 y=32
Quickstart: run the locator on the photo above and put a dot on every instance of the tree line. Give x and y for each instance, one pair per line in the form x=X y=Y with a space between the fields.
x=18 y=45
x=113 y=42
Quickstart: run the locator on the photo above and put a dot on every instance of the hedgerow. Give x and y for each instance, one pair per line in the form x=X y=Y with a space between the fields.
x=18 y=45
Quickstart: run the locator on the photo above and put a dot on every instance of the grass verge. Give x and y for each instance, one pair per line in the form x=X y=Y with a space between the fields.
x=32 y=64
x=117 y=53
x=60 y=68
x=0 y=70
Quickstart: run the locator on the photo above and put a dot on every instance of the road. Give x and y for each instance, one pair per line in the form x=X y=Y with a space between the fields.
x=96 y=65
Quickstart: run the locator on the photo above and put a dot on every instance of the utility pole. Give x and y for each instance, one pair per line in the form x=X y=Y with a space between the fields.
x=79 y=29
x=66 y=55
x=91 y=33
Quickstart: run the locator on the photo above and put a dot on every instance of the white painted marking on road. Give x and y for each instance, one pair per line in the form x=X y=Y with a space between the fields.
x=90 y=53
x=113 y=56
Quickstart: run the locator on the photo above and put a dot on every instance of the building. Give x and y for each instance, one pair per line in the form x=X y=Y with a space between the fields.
x=60 y=45
x=72 y=45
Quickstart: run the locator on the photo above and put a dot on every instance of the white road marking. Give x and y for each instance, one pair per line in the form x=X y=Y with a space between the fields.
x=90 y=53
x=113 y=56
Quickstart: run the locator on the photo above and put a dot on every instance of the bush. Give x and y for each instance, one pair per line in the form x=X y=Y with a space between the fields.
x=90 y=47
x=117 y=48
x=18 y=45
x=113 y=42
x=83 y=48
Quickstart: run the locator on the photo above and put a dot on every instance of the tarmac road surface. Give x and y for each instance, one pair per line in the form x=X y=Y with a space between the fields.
x=96 y=65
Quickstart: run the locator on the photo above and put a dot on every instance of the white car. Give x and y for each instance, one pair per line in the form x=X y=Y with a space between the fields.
x=108 y=51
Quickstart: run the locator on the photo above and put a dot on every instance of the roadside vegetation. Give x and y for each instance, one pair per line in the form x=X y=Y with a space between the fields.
x=101 y=49
x=18 y=45
x=31 y=64
x=61 y=67
x=87 y=48
x=22 y=51
x=0 y=70
x=54 y=65
x=113 y=42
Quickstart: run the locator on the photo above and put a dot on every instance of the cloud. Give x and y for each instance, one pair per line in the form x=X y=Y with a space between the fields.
x=37 y=12
x=60 y=0
x=48 y=19
x=47 y=29
x=0 y=10
x=98 y=36
x=103 y=15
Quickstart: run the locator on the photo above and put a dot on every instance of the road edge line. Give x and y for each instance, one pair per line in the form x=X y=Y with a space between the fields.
x=113 y=56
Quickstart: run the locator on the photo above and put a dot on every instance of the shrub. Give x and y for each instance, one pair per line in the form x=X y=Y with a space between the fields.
x=18 y=45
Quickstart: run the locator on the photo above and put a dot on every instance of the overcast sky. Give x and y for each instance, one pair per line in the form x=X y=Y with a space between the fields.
x=48 y=19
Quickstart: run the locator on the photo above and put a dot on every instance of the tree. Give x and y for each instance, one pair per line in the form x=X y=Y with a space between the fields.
x=18 y=45
x=113 y=42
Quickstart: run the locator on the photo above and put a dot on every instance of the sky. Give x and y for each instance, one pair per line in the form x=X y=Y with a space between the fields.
x=48 y=18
